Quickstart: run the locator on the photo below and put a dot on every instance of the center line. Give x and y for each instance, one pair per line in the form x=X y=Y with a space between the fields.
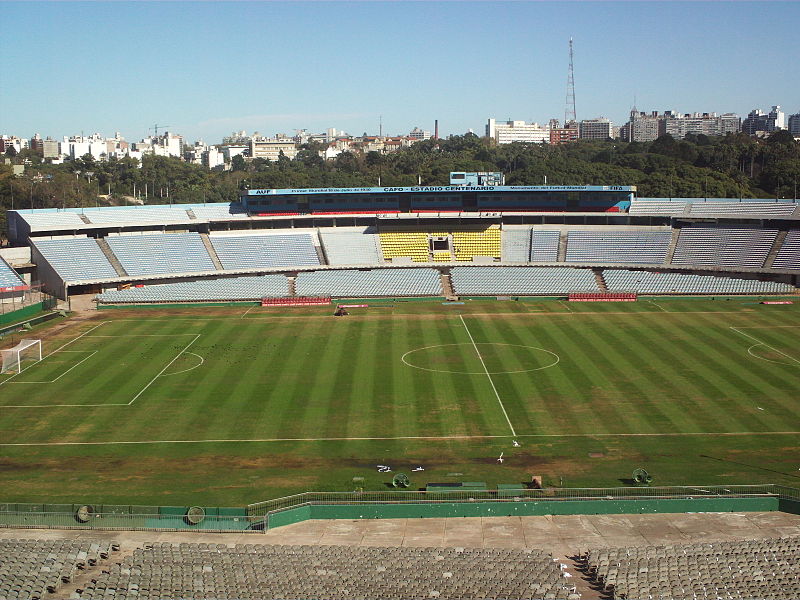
x=488 y=375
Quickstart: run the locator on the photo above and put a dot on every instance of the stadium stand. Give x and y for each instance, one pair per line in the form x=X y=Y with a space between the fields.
x=544 y=245
x=644 y=282
x=76 y=259
x=742 y=209
x=724 y=247
x=34 y=569
x=229 y=288
x=8 y=277
x=351 y=247
x=153 y=254
x=657 y=206
x=516 y=244
x=521 y=281
x=49 y=219
x=222 y=211
x=137 y=215
x=630 y=246
x=367 y=284
x=750 y=569
x=788 y=256
x=253 y=571
x=405 y=244
x=482 y=242
x=265 y=251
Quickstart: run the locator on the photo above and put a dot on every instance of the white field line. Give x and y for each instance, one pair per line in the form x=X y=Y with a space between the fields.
x=565 y=305
x=169 y=364
x=758 y=341
x=202 y=360
x=91 y=354
x=777 y=362
x=140 y=335
x=654 y=303
x=247 y=311
x=419 y=437
x=59 y=349
x=478 y=352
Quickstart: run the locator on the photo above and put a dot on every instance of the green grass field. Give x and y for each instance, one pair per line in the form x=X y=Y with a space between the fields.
x=225 y=406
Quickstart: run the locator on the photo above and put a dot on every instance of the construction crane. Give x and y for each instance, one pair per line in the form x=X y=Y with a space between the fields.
x=156 y=127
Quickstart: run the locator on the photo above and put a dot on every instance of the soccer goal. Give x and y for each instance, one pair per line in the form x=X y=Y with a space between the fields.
x=25 y=350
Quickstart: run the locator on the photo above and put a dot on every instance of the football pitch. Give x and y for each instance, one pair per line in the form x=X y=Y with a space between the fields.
x=229 y=405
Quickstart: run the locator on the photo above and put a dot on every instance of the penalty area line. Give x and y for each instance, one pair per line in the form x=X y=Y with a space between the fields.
x=759 y=342
x=401 y=438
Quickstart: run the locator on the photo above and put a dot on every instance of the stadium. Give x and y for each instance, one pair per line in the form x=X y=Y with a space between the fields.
x=469 y=390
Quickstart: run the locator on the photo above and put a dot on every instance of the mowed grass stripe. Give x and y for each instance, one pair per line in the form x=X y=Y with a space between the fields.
x=599 y=354
x=614 y=394
x=737 y=383
x=654 y=361
x=469 y=416
x=362 y=364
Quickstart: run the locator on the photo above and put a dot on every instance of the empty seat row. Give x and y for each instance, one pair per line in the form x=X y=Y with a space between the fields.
x=544 y=245
x=521 y=281
x=516 y=244
x=724 y=246
x=744 y=569
x=644 y=282
x=265 y=250
x=153 y=254
x=632 y=246
x=230 y=288
x=76 y=259
x=368 y=284
x=351 y=247
x=254 y=571
x=788 y=256
x=8 y=277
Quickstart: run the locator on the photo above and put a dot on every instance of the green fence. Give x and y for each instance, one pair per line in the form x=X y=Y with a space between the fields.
x=127 y=517
x=404 y=504
x=524 y=502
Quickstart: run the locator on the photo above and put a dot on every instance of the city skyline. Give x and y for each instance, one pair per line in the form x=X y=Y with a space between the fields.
x=207 y=69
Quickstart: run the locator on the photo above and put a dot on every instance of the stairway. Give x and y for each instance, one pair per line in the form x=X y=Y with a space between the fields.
x=673 y=242
x=84 y=218
x=211 y=252
x=106 y=249
x=292 y=284
x=191 y=214
x=562 y=245
x=776 y=246
x=601 y=283
x=447 y=286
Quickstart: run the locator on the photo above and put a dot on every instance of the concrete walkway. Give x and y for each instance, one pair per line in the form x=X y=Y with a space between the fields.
x=564 y=536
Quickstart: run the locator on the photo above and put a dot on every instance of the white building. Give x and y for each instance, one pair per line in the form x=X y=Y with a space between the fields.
x=419 y=134
x=759 y=121
x=507 y=132
x=271 y=148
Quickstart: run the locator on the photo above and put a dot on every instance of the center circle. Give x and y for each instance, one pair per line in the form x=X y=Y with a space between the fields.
x=444 y=358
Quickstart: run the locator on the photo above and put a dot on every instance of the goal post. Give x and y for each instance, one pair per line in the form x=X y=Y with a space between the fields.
x=25 y=350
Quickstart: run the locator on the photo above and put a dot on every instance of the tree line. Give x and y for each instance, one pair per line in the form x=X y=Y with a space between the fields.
x=734 y=166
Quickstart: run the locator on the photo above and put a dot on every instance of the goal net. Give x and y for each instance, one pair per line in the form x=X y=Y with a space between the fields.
x=25 y=350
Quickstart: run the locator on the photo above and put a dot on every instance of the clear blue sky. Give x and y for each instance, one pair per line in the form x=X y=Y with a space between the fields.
x=211 y=68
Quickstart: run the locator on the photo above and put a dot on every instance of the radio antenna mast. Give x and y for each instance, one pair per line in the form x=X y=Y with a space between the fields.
x=569 y=111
